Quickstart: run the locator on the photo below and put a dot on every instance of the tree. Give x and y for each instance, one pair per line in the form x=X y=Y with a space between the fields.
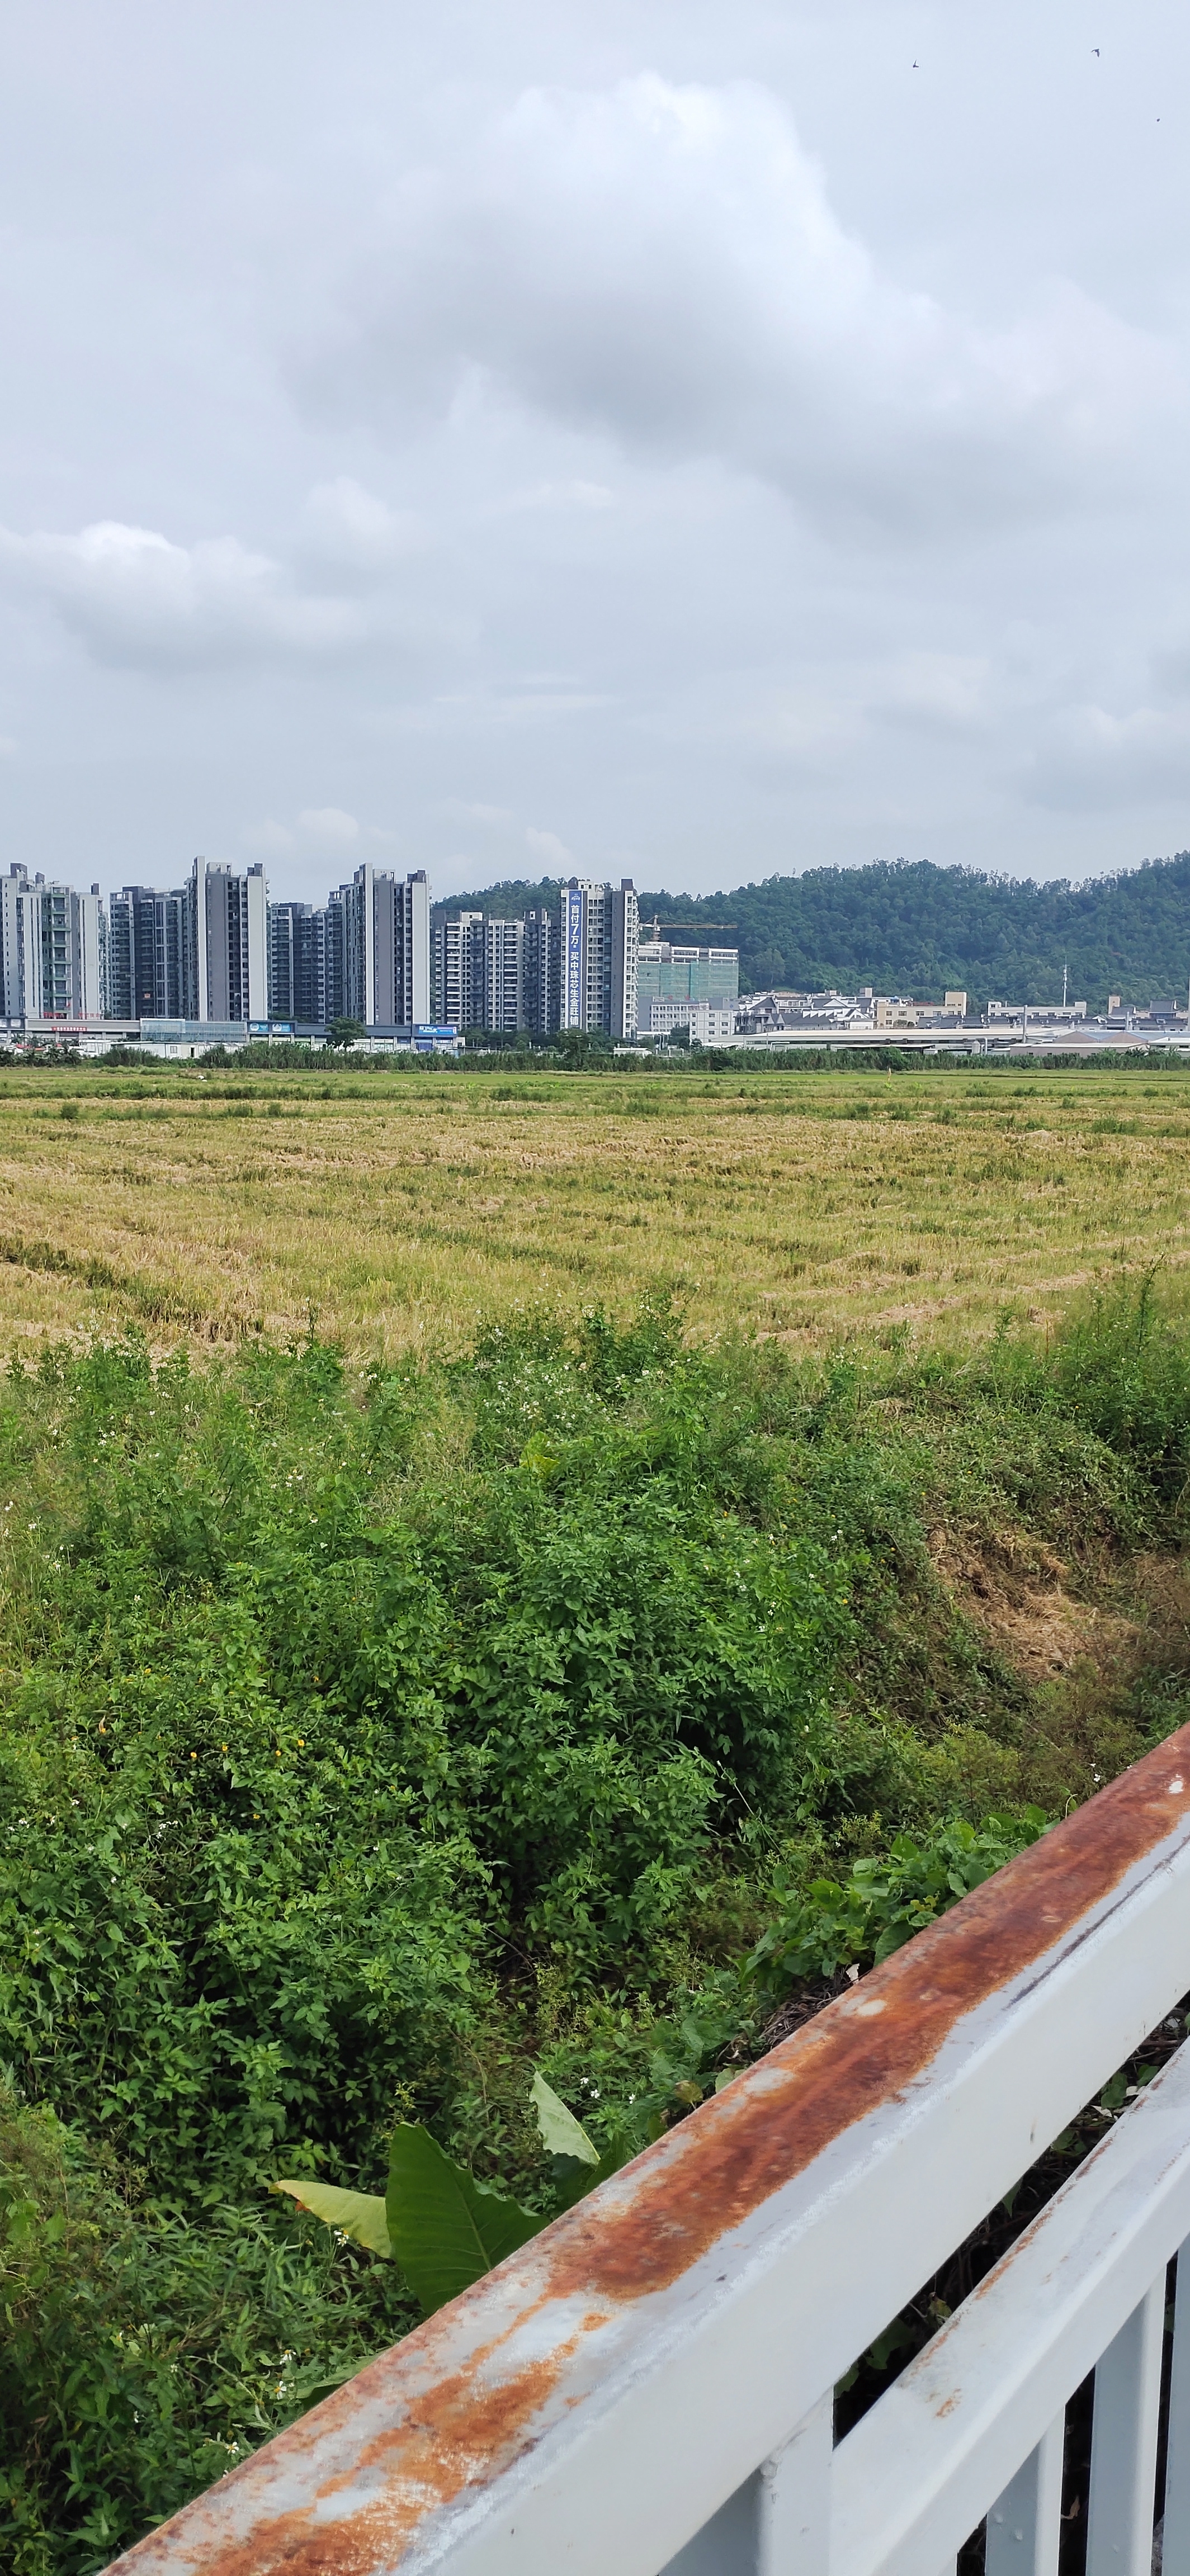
x=345 y=1033
x=580 y=1046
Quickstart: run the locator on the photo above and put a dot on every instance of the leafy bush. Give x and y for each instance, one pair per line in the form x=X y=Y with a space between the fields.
x=142 y=2355
x=863 y=1918
x=366 y=1740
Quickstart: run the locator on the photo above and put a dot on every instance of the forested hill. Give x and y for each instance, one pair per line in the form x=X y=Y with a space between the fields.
x=917 y=929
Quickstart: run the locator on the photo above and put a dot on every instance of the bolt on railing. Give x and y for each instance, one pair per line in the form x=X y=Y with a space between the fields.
x=649 y=2384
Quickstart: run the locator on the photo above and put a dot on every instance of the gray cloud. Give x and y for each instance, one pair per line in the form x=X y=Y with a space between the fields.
x=348 y=532
x=663 y=264
x=691 y=436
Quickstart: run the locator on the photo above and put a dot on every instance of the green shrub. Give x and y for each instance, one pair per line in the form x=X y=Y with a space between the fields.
x=863 y=1918
x=366 y=1740
x=142 y=2355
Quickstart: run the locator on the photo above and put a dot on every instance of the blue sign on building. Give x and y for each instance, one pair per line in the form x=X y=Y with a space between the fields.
x=574 y=957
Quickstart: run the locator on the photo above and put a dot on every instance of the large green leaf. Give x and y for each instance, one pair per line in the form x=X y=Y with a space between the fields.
x=561 y=2133
x=360 y=2214
x=445 y=2229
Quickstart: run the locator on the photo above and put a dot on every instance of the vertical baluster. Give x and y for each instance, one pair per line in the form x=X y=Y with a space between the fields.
x=1124 y=2444
x=778 y=2522
x=1024 y=2526
x=1175 y=2552
x=793 y=2500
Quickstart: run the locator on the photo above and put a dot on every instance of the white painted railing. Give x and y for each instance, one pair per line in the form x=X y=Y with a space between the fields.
x=648 y=2385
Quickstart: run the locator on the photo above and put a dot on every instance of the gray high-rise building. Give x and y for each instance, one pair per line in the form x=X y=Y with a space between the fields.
x=51 y=950
x=600 y=931
x=148 y=954
x=228 y=944
x=330 y=934
x=459 y=971
x=295 y=981
x=386 y=949
x=504 y=976
x=542 y=969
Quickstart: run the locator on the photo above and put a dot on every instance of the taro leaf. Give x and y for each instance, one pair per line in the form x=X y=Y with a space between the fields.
x=359 y=2213
x=446 y=2229
x=561 y=2133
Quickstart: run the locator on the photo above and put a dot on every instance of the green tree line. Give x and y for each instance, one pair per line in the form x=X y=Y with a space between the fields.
x=918 y=929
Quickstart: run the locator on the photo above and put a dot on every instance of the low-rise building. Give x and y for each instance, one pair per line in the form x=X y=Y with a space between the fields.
x=707 y=1026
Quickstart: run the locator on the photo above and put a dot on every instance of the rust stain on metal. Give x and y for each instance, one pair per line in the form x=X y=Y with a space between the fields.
x=734 y=2153
x=456 y=2434
x=460 y=2429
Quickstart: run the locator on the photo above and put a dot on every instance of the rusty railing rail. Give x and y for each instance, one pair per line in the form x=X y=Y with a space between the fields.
x=649 y=2383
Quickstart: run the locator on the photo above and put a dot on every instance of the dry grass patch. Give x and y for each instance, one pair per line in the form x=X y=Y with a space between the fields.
x=401 y=1209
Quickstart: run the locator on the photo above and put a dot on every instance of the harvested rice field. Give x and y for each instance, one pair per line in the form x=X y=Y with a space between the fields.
x=398 y=1211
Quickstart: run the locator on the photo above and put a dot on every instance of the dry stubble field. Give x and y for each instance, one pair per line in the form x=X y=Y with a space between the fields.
x=401 y=1210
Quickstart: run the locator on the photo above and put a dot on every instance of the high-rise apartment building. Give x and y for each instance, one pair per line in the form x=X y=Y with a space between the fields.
x=216 y=953
x=228 y=944
x=295 y=973
x=51 y=952
x=200 y=952
x=542 y=969
x=386 y=949
x=600 y=933
x=147 y=954
x=504 y=975
x=460 y=996
x=331 y=942
x=12 y=945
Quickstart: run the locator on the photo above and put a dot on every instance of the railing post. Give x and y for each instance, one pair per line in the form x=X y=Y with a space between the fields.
x=778 y=2522
x=793 y=2499
x=1124 y=2444
x=1175 y=2538
x=1024 y=2527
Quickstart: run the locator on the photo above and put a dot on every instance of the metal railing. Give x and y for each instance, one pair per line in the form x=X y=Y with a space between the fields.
x=649 y=2384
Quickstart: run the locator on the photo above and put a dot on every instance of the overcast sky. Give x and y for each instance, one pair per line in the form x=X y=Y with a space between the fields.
x=692 y=439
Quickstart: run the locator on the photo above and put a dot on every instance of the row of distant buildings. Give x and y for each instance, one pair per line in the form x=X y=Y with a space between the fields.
x=582 y=963
x=786 y=1018
x=215 y=951
x=215 y=960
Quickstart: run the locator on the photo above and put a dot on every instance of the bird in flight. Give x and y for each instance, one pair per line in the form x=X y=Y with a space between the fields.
x=915 y=67
x=1095 y=51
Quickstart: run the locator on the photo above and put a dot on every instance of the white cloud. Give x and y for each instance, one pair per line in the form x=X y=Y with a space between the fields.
x=663 y=263
x=547 y=847
x=329 y=824
x=132 y=596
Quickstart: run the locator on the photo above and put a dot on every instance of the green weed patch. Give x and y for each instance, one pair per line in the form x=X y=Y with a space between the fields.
x=369 y=1739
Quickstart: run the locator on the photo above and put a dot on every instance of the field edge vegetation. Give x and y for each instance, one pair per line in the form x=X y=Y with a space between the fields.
x=375 y=1734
